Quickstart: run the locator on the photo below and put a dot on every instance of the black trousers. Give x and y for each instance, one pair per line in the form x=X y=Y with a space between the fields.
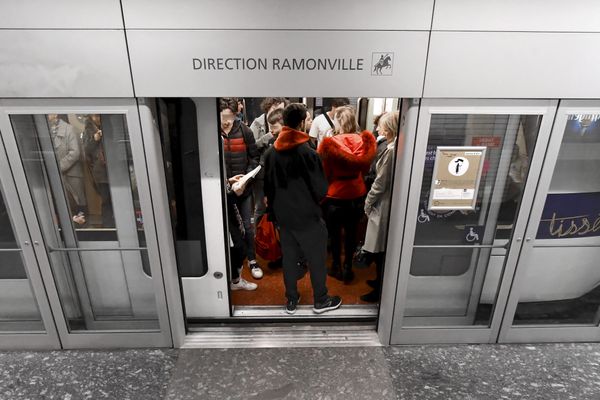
x=343 y=215
x=310 y=242
x=237 y=248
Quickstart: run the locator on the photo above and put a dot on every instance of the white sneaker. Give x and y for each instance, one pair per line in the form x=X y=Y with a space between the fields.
x=256 y=271
x=243 y=285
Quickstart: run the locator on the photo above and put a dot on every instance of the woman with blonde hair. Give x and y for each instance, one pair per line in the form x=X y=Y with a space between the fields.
x=346 y=156
x=377 y=203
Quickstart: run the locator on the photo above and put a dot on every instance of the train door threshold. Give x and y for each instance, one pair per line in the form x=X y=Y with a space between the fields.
x=282 y=335
x=355 y=312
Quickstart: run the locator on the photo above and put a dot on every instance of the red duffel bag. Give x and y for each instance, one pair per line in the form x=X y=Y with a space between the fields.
x=267 y=240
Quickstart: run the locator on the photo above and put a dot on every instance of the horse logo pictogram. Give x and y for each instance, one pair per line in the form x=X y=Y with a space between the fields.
x=382 y=64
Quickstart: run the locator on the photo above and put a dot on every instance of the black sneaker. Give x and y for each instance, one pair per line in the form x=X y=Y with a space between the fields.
x=291 y=306
x=331 y=303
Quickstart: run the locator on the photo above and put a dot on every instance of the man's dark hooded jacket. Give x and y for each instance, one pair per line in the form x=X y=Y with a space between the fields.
x=294 y=180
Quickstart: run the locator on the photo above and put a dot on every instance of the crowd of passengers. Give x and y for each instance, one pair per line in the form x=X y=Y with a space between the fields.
x=316 y=181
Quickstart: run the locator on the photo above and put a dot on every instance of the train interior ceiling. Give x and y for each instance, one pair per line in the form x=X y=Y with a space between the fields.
x=179 y=135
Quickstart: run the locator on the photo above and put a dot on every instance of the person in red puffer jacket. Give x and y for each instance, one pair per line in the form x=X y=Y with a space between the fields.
x=347 y=156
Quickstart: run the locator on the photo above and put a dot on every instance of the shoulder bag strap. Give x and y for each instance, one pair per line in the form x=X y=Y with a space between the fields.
x=329 y=120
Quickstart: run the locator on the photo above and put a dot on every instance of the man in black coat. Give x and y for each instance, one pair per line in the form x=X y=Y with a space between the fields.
x=294 y=186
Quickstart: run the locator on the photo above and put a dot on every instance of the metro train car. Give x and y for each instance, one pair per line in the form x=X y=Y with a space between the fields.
x=115 y=224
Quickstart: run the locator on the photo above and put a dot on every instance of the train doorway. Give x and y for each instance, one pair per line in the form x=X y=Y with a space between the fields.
x=194 y=166
x=81 y=202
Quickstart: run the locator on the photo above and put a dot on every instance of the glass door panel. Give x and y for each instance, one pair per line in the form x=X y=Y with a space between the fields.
x=558 y=275
x=26 y=320
x=469 y=199
x=78 y=169
x=18 y=307
x=81 y=173
x=456 y=252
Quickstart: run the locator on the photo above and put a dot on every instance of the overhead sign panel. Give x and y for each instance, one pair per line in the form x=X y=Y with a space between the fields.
x=272 y=63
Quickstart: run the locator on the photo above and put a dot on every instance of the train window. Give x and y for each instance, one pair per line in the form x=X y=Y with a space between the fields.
x=179 y=136
x=561 y=284
x=81 y=176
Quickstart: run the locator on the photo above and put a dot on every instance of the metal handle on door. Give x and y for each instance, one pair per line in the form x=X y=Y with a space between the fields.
x=528 y=239
x=67 y=249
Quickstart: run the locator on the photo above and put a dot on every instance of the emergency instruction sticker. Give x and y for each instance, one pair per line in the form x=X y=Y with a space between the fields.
x=456 y=176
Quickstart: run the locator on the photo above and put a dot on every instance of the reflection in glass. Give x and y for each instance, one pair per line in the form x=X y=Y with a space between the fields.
x=80 y=174
x=450 y=282
x=562 y=282
x=18 y=308
x=95 y=162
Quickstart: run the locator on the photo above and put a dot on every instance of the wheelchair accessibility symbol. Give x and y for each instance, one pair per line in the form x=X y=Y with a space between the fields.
x=472 y=236
x=423 y=218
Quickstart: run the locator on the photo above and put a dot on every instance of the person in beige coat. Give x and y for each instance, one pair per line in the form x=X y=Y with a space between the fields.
x=68 y=155
x=377 y=203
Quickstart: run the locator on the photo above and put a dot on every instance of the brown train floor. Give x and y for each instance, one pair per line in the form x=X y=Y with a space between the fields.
x=271 y=290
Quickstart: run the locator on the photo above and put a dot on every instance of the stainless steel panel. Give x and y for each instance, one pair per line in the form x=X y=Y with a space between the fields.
x=208 y=296
x=61 y=14
x=64 y=63
x=400 y=188
x=517 y=15
x=273 y=14
x=513 y=65
x=158 y=187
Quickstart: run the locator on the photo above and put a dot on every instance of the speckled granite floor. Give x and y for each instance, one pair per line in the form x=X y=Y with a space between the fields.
x=548 y=372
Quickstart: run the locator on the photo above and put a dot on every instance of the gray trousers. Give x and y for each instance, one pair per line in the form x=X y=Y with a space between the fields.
x=311 y=243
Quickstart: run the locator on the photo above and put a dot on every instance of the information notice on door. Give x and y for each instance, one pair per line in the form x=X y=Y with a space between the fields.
x=456 y=176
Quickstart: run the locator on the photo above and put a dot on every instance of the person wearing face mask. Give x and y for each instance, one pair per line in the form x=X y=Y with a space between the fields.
x=377 y=203
x=324 y=124
x=241 y=156
x=346 y=157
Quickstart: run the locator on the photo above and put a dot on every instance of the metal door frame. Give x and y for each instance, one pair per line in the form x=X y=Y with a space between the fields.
x=547 y=332
x=128 y=108
x=47 y=339
x=463 y=334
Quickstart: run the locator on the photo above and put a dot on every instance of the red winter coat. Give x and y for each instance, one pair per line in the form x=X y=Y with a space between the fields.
x=346 y=158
